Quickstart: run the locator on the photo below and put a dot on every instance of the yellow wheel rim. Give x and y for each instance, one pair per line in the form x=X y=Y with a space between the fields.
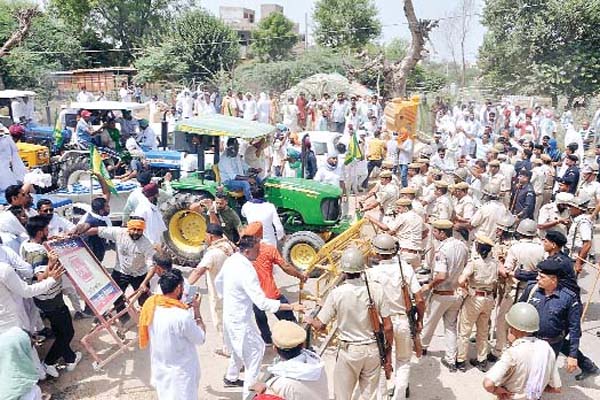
x=302 y=254
x=187 y=230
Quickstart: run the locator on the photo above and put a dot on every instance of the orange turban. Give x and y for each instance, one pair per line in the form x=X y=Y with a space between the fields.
x=136 y=224
x=253 y=229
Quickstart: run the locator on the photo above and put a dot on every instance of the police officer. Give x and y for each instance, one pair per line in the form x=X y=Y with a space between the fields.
x=579 y=239
x=442 y=205
x=464 y=209
x=560 y=317
x=408 y=227
x=527 y=363
x=387 y=272
x=479 y=279
x=571 y=175
x=411 y=194
x=522 y=203
x=385 y=193
x=486 y=218
x=450 y=259
x=358 y=359
x=524 y=254
x=555 y=215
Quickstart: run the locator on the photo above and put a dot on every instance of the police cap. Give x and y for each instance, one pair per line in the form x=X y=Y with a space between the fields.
x=556 y=237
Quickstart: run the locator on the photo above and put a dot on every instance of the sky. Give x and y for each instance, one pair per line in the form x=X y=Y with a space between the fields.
x=391 y=15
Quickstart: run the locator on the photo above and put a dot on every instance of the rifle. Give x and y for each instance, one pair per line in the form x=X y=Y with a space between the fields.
x=411 y=313
x=315 y=312
x=385 y=349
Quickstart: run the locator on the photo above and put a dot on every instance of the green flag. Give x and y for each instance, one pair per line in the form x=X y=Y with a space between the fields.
x=58 y=135
x=353 y=152
x=98 y=167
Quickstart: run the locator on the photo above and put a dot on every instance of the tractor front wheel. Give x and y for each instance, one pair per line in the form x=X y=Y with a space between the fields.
x=301 y=247
x=186 y=230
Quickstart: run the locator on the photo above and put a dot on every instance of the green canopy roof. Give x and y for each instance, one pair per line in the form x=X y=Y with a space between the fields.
x=221 y=125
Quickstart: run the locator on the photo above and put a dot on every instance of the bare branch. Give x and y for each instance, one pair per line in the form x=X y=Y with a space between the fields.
x=24 y=18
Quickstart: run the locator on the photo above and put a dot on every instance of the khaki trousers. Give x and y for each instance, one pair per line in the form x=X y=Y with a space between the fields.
x=539 y=198
x=356 y=364
x=402 y=355
x=446 y=307
x=501 y=326
x=477 y=311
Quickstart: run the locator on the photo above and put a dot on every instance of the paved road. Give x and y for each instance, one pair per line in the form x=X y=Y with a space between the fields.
x=128 y=376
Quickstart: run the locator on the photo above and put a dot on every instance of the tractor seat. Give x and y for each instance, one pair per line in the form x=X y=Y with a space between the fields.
x=236 y=194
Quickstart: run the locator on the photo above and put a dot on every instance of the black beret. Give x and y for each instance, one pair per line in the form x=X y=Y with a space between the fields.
x=214 y=229
x=573 y=157
x=525 y=172
x=550 y=267
x=556 y=237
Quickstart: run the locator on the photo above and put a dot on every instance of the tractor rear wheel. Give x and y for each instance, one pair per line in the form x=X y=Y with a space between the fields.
x=300 y=248
x=186 y=230
x=72 y=169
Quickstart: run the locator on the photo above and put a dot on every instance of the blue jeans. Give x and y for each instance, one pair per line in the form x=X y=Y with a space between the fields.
x=234 y=185
x=263 y=325
x=404 y=174
x=339 y=127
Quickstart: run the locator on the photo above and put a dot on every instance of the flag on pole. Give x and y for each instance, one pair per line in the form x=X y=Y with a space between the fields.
x=98 y=167
x=353 y=152
x=58 y=135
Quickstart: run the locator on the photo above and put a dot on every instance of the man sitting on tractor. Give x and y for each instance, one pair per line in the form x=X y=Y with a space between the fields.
x=234 y=171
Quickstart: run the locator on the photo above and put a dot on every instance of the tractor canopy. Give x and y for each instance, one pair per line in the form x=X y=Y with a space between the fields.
x=222 y=125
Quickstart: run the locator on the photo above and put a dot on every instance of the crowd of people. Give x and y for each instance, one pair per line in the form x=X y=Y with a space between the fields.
x=490 y=226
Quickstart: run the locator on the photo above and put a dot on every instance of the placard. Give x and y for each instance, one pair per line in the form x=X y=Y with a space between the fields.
x=86 y=273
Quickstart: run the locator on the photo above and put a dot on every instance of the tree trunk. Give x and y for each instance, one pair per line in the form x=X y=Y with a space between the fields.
x=419 y=31
x=25 y=18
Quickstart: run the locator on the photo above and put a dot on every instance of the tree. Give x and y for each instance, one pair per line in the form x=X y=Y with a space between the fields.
x=24 y=17
x=48 y=46
x=125 y=24
x=346 y=23
x=547 y=48
x=274 y=38
x=198 y=46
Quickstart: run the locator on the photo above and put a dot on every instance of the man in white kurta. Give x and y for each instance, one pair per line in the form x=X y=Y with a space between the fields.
x=238 y=284
x=148 y=210
x=174 y=335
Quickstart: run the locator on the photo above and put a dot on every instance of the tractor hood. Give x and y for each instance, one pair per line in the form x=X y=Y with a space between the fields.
x=306 y=186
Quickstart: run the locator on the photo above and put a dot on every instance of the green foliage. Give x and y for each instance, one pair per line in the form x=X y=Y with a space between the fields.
x=274 y=38
x=50 y=46
x=549 y=47
x=346 y=23
x=197 y=46
x=282 y=75
x=124 y=24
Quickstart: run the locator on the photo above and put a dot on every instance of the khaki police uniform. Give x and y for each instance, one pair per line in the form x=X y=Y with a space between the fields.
x=549 y=213
x=486 y=218
x=387 y=273
x=538 y=180
x=481 y=275
x=386 y=196
x=524 y=254
x=548 y=182
x=581 y=230
x=451 y=258
x=358 y=359
x=408 y=228
x=442 y=208
x=512 y=370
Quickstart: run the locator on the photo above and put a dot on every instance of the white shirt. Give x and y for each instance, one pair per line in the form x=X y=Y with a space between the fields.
x=250 y=110
x=266 y=214
x=125 y=95
x=406 y=152
x=174 y=363
x=59 y=225
x=134 y=257
x=237 y=283
x=325 y=175
x=85 y=97
x=12 y=292
x=155 y=225
x=11 y=165
x=230 y=167
x=133 y=147
x=264 y=110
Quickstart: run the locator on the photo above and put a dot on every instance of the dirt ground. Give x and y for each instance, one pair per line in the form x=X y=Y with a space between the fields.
x=128 y=376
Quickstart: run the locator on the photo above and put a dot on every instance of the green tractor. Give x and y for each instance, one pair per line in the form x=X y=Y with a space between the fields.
x=310 y=211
